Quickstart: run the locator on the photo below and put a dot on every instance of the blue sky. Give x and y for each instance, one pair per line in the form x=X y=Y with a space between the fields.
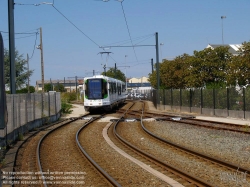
x=183 y=26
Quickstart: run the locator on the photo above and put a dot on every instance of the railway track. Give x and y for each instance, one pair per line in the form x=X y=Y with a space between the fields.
x=191 y=120
x=195 y=157
x=122 y=170
x=77 y=153
x=53 y=159
x=29 y=151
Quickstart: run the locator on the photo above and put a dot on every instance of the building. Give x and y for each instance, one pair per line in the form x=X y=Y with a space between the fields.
x=69 y=85
x=141 y=83
x=233 y=48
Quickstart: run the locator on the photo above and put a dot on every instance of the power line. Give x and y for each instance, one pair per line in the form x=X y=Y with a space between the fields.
x=34 y=47
x=30 y=35
x=22 y=37
x=75 y=25
x=38 y=4
x=20 y=32
x=44 y=3
x=128 y=30
x=79 y=29
x=134 y=39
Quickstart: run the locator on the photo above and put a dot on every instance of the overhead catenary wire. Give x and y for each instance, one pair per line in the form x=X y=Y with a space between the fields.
x=30 y=34
x=128 y=29
x=34 y=46
x=134 y=39
x=75 y=25
x=79 y=29
x=67 y=20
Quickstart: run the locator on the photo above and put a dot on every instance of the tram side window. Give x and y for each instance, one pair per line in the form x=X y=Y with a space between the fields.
x=113 y=87
x=119 y=90
x=123 y=88
x=104 y=88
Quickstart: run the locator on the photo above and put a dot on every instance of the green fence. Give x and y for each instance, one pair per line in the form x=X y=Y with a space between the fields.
x=233 y=102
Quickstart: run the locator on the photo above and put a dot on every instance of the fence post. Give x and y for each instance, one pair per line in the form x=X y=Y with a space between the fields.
x=42 y=106
x=49 y=103
x=171 y=102
x=244 y=102
x=26 y=110
x=19 y=110
x=214 y=99
x=164 y=98
x=180 y=99
x=34 y=106
x=55 y=104
x=13 y=115
x=228 y=104
x=190 y=100
x=201 y=100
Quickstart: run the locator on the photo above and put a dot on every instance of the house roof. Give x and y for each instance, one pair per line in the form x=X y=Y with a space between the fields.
x=233 y=48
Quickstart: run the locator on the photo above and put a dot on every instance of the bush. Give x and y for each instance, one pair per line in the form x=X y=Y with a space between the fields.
x=68 y=96
x=66 y=108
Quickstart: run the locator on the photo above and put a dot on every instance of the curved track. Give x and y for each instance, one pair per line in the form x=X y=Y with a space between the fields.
x=189 y=153
x=191 y=120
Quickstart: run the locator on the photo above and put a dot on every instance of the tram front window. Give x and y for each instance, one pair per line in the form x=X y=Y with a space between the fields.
x=95 y=89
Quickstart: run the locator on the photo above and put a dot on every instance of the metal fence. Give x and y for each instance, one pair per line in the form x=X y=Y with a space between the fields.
x=29 y=111
x=225 y=102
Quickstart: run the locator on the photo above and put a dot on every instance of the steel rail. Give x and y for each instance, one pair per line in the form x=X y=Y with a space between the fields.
x=195 y=153
x=193 y=121
x=99 y=168
x=32 y=135
x=39 y=146
x=184 y=175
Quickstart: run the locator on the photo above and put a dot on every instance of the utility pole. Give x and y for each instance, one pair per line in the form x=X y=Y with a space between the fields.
x=115 y=70
x=3 y=106
x=152 y=64
x=222 y=17
x=157 y=60
x=28 y=73
x=126 y=84
x=42 y=65
x=12 y=47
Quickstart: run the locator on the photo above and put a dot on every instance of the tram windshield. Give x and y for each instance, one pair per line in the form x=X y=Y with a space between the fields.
x=94 y=90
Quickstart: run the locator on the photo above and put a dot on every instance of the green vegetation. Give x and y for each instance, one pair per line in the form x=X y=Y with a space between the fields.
x=20 y=136
x=210 y=68
x=66 y=99
x=66 y=108
x=117 y=74
x=58 y=87
x=22 y=73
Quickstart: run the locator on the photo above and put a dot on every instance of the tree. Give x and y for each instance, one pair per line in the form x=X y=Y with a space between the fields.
x=59 y=88
x=173 y=72
x=22 y=73
x=48 y=87
x=210 y=64
x=115 y=74
x=238 y=70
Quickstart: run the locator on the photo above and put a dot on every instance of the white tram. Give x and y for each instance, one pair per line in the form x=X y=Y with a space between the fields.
x=103 y=92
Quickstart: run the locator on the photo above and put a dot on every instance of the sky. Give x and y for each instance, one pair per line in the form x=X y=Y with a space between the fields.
x=76 y=32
